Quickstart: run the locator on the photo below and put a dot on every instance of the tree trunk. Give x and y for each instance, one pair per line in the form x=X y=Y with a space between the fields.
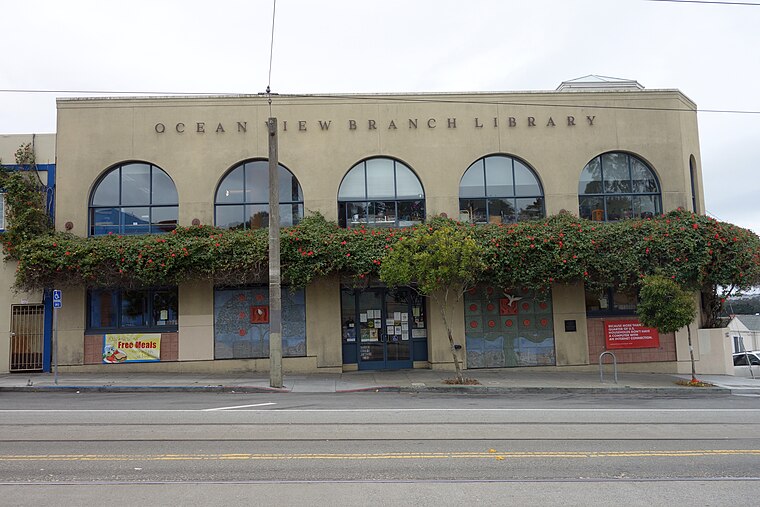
x=457 y=366
x=691 y=354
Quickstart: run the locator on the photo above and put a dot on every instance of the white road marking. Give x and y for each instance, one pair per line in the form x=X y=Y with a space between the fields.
x=239 y=406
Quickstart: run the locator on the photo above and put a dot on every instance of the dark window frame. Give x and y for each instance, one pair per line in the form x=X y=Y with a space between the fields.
x=604 y=195
x=513 y=197
x=245 y=223
x=159 y=228
x=693 y=185
x=3 y=212
x=152 y=327
x=345 y=203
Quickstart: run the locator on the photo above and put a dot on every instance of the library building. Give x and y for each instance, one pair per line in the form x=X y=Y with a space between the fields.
x=602 y=148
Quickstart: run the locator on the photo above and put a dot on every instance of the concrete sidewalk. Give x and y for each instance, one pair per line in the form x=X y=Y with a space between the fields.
x=494 y=381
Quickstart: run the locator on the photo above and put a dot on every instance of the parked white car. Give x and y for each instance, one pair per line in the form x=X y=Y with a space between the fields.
x=742 y=367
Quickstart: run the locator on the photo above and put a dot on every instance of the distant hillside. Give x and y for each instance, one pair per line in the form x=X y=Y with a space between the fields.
x=745 y=305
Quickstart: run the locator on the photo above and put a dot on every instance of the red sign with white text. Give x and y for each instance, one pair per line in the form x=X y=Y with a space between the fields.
x=630 y=334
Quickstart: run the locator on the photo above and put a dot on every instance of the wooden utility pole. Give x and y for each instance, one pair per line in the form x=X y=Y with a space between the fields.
x=275 y=293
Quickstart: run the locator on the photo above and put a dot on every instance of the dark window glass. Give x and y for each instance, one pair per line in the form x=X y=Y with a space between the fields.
x=529 y=209
x=617 y=177
x=136 y=310
x=135 y=198
x=257 y=182
x=107 y=191
x=164 y=191
x=617 y=186
x=380 y=192
x=526 y=182
x=164 y=219
x=500 y=181
x=164 y=309
x=618 y=207
x=692 y=177
x=103 y=309
x=473 y=210
x=248 y=185
x=230 y=217
x=501 y=211
x=135 y=184
x=592 y=208
x=135 y=220
x=473 y=182
x=500 y=189
x=257 y=216
x=410 y=213
x=381 y=181
x=612 y=302
x=231 y=188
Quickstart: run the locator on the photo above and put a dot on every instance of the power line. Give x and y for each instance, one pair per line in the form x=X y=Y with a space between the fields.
x=358 y=99
x=753 y=4
x=271 y=52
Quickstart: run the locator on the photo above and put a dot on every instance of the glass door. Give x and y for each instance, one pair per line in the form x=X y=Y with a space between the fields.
x=398 y=322
x=371 y=339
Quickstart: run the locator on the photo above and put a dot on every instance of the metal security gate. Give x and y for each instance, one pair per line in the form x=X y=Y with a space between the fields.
x=27 y=337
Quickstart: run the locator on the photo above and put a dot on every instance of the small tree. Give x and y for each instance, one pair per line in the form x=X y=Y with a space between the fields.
x=439 y=260
x=664 y=305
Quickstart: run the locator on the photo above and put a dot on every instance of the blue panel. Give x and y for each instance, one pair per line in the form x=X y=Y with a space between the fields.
x=349 y=353
x=420 y=350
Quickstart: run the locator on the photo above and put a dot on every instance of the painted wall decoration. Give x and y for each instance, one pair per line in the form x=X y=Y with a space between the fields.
x=508 y=328
x=241 y=323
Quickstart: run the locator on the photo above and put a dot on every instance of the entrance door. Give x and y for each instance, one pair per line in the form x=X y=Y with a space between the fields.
x=378 y=325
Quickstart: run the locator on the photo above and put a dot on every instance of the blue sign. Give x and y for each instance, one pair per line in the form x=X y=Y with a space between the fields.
x=57 y=304
x=56 y=295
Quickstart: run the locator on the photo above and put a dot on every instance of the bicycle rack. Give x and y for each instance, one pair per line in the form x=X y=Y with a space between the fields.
x=601 y=366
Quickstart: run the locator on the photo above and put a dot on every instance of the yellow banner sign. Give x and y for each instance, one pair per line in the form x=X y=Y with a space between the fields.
x=131 y=348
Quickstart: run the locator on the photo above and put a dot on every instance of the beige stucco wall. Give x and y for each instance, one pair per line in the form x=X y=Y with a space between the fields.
x=95 y=134
x=452 y=132
x=571 y=347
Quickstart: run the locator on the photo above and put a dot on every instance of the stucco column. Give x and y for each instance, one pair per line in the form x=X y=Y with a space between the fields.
x=570 y=305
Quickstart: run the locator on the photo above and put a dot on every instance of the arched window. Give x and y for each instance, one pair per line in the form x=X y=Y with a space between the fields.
x=242 y=198
x=693 y=179
x=616 y=186
x=380 y=192
x=133 y=198
x=500 y=189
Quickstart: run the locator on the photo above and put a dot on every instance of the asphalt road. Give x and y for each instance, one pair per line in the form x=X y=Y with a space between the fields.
x=377 y=448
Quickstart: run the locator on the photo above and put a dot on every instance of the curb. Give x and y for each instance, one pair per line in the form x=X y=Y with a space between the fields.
x=485 y=390
x=448 y=389
x=144 y=389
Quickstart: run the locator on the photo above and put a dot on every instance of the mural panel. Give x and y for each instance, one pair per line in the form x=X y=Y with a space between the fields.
x=241 y=323
x=508 y=328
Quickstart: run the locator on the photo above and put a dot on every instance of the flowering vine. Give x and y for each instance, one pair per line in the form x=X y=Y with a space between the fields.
x=699 y=253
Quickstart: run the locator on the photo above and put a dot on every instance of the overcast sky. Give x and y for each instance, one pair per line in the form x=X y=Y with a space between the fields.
x=709 y=52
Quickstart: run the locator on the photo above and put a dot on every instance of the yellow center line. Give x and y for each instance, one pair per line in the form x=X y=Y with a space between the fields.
x=380 y=456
